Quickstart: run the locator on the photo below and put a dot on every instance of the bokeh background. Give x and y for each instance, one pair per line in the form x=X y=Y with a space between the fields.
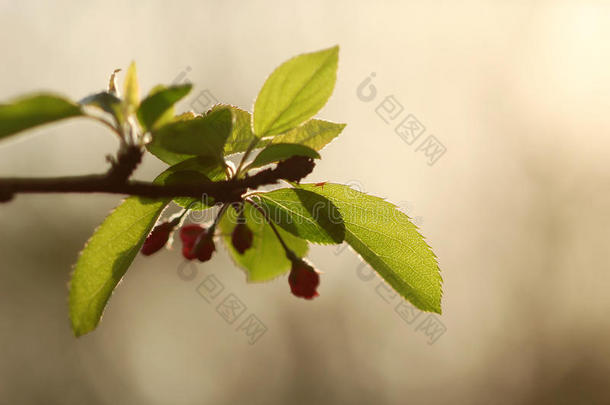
x=516 y=209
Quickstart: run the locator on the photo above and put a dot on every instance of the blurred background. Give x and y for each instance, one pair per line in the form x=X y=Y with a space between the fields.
x=515 y=94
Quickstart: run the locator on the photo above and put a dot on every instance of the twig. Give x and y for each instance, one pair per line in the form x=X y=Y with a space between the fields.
x=289 y=253
x=114 y=182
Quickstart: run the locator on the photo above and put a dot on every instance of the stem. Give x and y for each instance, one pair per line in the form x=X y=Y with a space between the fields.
x=251 y=147
x=211 y=230
x=178 y=218
x=107 y=124
x=115 y=182
x=128 y=159
x=219 y=216
x=228 y=172
x=104 y=184
x=289 y=253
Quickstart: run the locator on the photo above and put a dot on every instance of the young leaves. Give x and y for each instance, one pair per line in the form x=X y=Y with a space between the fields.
x=107 y=102
x=295 y=92
x=131 y=96
x=201 y=136
x=266 y=259
x=389 y=242
x=30 y=111
x=314 y=133
x=160 y=101
x=241 y=135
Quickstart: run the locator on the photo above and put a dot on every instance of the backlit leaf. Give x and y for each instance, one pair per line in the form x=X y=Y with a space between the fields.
x=201 y=136
x=131 y=91
x=388 y=241
x=314 y=133
x=33 y=110
x=304 y=214
x=295 y=92
x=157 y=108
x=201 y=170
x=107 y=102
x=241 y=134
x=266 y=259
x=110 y=251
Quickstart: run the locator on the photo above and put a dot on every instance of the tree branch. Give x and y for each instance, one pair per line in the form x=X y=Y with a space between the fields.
x=115 y=182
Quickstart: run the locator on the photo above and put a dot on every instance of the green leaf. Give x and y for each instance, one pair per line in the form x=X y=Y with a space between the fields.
x=107 y=102
x=106 y=257
x=109 y=253
x=281 y=151
x=157 y=108
x=186 y=116
x=163 y=154
x=241 y=135
x=314 y=133
x=33 y=110
x=304 y=214
x=389 y=242
x=266 y=259
x=295 y=92
x=200 y=170
x=131 y=91
x=166 y=156
x=201 y=136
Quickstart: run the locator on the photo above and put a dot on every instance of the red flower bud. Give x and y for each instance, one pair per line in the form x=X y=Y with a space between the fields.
x=197 y=243
x=303 y=279
x=241 y=238
x=157 y=238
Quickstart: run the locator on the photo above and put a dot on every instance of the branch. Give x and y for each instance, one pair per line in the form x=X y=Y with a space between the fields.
x=114 y=182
